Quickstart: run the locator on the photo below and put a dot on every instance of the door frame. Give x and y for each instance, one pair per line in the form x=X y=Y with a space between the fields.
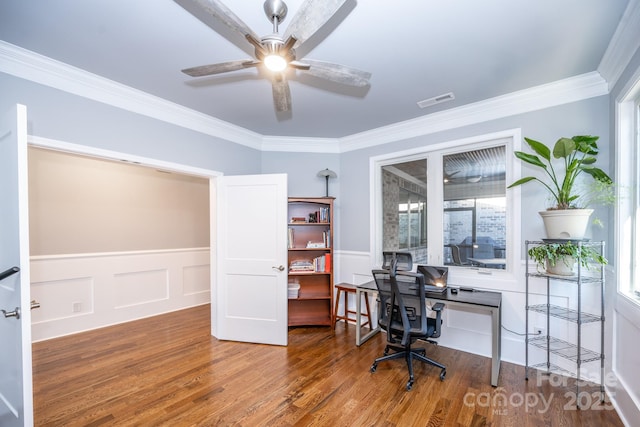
x=98 y=153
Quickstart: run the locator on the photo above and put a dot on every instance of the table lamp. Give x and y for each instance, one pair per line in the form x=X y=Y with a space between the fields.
x=326 y=173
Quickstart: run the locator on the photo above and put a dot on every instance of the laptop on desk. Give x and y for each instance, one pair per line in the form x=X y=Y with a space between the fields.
x=435 y=278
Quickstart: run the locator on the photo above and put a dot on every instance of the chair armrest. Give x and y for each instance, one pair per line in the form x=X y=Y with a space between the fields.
x=437 y=307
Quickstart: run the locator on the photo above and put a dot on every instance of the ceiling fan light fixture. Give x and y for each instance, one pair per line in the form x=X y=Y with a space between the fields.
x=275 y=62
x=274 y=53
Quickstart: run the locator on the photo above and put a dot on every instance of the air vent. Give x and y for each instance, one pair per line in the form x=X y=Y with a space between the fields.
x=436 y=100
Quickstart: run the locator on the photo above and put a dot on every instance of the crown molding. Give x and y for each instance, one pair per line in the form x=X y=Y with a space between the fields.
x=31 y=66
x=38 y=68
x=300 y=144
x=561 y=92
x=623 y=45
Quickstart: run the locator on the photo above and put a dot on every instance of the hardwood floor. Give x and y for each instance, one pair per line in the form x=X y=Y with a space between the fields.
x=168 y=371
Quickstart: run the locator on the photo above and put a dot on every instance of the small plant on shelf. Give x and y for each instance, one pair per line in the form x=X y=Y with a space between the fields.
x=550 y=255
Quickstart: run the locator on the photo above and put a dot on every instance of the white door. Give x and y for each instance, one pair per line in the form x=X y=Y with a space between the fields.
x=249 y=291
x=16 y=402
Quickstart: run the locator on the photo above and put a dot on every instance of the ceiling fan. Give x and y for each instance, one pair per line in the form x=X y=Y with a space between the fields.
x=277 y=52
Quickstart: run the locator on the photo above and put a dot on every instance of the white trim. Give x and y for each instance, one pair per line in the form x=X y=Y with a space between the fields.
x=38 y=68
x=68 y=147
x=298 y=144
x=116 y=253
x=626 y=131
x=512 y=137
x=623 y=45
x=548 y=95
x=28 y=65
x=165 y=281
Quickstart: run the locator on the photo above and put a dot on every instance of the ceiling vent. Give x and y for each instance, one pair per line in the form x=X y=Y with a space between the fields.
x=436 y=100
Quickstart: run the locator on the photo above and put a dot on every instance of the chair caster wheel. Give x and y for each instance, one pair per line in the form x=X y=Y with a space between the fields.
x=373 y=368
x=443 y=374
x=409 y=385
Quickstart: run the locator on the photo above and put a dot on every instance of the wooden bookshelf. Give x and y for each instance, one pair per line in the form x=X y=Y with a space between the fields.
x=310 y=247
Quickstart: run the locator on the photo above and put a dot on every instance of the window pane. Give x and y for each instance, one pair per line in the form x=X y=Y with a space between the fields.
x=475 y=208
x=404 y=196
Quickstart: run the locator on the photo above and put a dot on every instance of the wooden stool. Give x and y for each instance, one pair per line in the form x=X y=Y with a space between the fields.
x=348 y=288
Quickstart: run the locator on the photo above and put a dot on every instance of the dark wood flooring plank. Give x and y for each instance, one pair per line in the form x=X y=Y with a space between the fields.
x=168 y=371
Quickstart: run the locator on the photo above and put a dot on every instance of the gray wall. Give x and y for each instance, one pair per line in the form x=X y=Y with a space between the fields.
x=303 y=180
x=303 y=169
x=58 y=115
x=584 y=117
x=62 y=116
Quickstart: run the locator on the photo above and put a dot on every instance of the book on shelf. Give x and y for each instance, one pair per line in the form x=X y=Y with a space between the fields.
x=304 y=265
x=322 y=264
x=298 y=219
x=323 y=214
x=315 y=245
x=326 y=238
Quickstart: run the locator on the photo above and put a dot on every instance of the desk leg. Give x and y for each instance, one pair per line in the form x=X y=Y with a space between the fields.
x=496 y=344
x=359 y=338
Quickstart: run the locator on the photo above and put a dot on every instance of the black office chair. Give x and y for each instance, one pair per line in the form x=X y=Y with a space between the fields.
x=402 y=314
x=457 y=257
x=404 y=260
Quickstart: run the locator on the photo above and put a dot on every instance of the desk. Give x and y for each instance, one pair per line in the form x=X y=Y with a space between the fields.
x=489 y=262
x=491 y=301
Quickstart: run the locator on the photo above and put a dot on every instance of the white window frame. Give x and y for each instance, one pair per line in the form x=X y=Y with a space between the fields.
x=482 y=277
x=627 y=231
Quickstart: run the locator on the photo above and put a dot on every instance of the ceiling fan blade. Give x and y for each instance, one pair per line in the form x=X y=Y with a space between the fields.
x=223 y=14
x=281 y=93
x=311 y=16
x=222 y=67
x=299 y=65
x=338 y=73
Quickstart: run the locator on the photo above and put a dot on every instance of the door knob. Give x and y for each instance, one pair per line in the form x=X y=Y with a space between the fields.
x=34 y=304
x=279 y=268
x=15 y=313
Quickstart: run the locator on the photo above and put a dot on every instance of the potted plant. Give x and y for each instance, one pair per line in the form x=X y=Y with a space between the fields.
x=561 y=258
x=568 y=218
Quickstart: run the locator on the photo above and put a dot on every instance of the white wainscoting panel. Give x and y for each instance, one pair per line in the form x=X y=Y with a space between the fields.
x=195 y=279
x=140 y=287
x=353 y=267
x=81 y=292
x=623 y=378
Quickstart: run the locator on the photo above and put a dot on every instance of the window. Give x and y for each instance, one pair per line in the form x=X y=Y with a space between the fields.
x=447 y=204
x=627 y=174
x=474 y=206
x=404 y=208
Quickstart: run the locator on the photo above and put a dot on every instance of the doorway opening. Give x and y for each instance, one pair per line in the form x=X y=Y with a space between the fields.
x=152 y=177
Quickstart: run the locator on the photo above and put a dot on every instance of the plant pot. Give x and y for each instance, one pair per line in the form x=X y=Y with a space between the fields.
x=564 y=266
x=566 y=223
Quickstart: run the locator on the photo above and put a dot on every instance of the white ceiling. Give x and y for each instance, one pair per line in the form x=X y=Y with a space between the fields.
x=415 y=49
